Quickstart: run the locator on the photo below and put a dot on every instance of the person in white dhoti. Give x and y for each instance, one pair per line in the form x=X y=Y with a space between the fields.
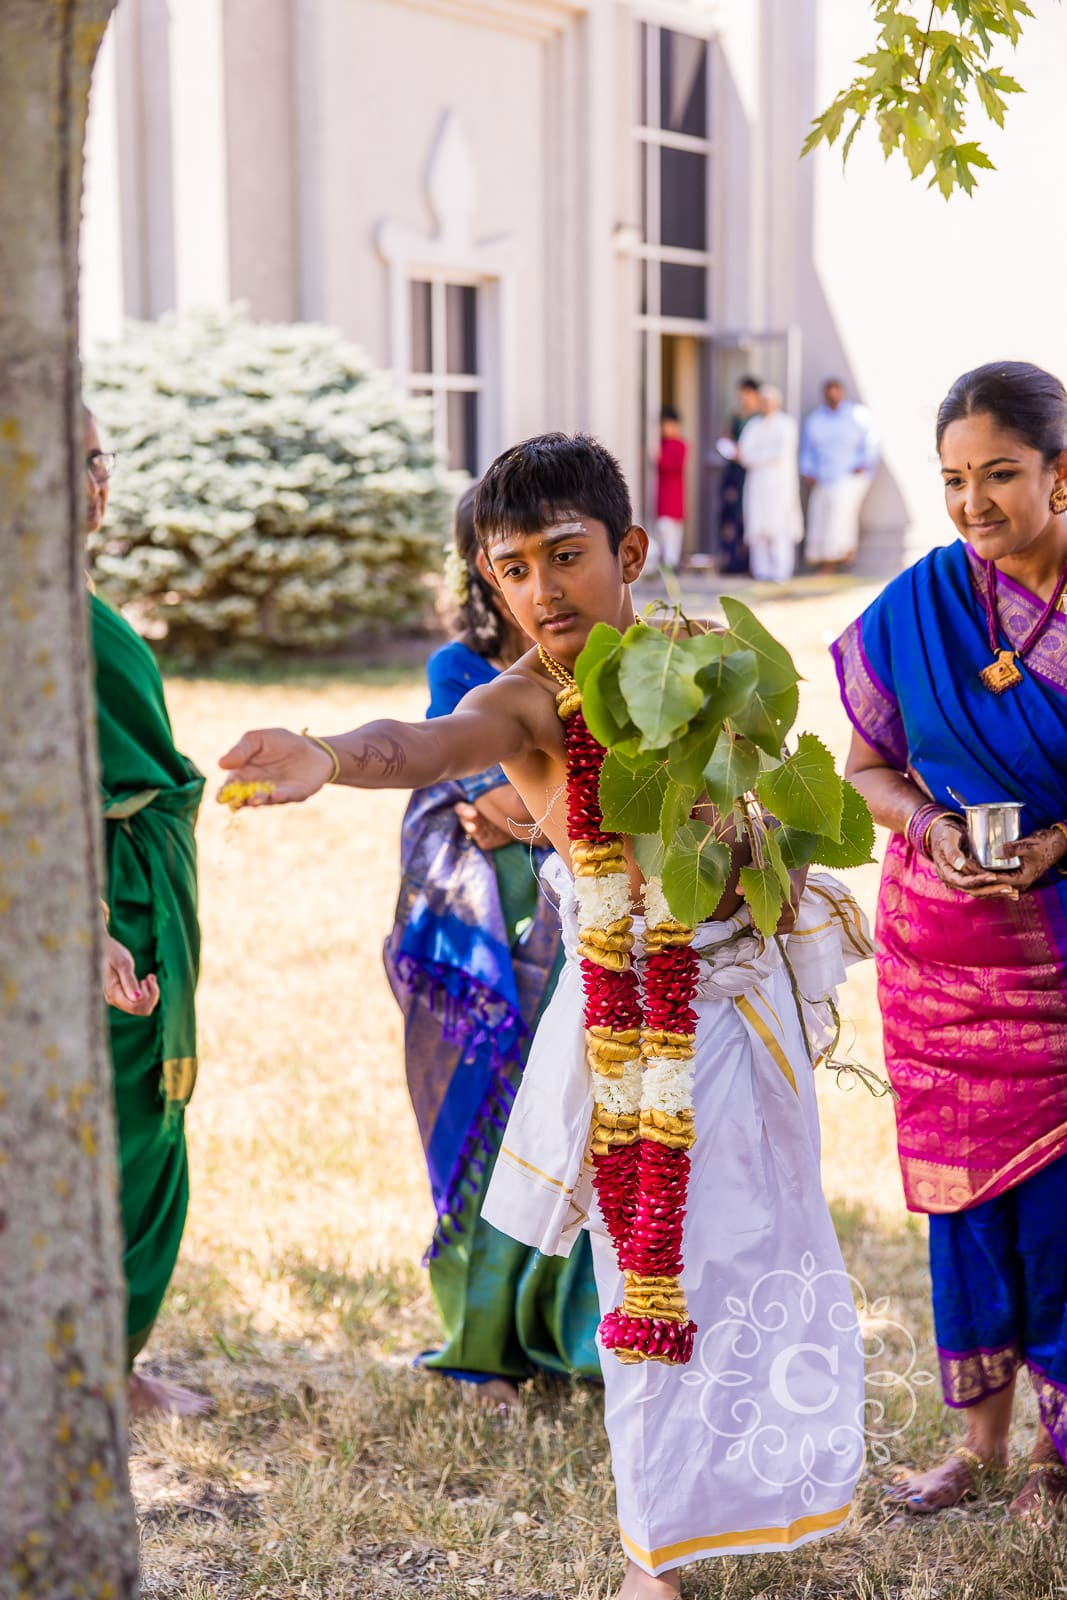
x=774 y=521
x=757 y=1442
x=838 y=457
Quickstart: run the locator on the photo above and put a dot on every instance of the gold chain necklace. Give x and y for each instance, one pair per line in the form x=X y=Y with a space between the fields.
x=556 y=668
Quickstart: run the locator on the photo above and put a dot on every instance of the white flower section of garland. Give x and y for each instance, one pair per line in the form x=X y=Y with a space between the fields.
x=622 y=1096
x=602 y=901
x=667 y=1086
x=657 y=910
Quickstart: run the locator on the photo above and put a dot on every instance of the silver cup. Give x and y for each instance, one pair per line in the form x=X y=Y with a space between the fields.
x=989 y=827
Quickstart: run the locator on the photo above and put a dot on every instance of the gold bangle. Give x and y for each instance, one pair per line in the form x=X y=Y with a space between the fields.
x=106 y=909
x=953 y=816
x=330 y=751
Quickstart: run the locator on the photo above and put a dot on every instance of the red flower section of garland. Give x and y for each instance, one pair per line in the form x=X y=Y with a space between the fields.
x=585 y=757
x=615 y=1177
x=654 y=1248
x=652 y=1336
x=641 y=1187
x=612 y=999
x=670 y=983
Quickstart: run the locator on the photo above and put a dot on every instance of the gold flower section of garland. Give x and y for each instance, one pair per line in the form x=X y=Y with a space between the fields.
x=597 y=860
x=678 y=1132
x=612 y=1128
x=568 y=701
x=654 y=1297
x=667 y=936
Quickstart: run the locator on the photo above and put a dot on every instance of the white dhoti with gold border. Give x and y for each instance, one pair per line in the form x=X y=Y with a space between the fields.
x=756 y=1444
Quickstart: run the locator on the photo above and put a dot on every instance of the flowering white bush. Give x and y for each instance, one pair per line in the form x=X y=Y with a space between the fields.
x=272 y=487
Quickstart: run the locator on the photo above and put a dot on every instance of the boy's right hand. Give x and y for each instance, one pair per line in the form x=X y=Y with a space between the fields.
x=294 y=767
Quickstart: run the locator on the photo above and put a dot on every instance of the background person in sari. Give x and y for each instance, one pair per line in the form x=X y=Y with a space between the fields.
x=150 y=795
x=956 y=679
x=473 y=959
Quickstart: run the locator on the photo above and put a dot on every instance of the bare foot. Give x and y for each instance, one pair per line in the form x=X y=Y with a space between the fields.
x=1040 y=1501
x=151 y=1397
x=496 y=1394
x=637 y=1585
x=951 y=1481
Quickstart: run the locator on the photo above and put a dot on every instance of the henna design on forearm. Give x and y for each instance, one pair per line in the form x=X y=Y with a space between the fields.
x=387 y=751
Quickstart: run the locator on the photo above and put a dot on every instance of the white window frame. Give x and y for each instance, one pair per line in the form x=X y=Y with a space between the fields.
x=453 y=255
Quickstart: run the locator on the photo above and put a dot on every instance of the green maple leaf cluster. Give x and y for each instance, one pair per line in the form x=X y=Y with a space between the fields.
x=918 y=82
x=685 y=715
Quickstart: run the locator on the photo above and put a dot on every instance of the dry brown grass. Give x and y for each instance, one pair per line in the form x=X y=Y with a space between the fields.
x=331 y=1468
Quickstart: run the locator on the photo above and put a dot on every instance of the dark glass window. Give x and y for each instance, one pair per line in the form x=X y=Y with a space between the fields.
x=461 y=329
x=683 y=84
x=683 y=291
x=421 y=327
x=683 y=199
x=463 y=431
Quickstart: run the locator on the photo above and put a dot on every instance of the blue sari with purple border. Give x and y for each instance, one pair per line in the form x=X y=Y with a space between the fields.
x=472 y=960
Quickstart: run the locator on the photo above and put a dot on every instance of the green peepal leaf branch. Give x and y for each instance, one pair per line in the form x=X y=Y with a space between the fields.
x=695 y=724
x=931 y=61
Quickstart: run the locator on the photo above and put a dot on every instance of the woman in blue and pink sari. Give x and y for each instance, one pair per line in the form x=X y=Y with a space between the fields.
x=955 y=680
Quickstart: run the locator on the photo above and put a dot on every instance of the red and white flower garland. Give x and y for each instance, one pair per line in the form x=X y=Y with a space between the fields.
x=640 y=1049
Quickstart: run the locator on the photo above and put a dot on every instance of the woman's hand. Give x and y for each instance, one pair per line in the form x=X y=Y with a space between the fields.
x=953 y=859
x=294 y=767
x=121 y=987
x=485 y=834
x=1039 y=852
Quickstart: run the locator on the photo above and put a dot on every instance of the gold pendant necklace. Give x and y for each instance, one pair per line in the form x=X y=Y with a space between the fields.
x=1002 y=673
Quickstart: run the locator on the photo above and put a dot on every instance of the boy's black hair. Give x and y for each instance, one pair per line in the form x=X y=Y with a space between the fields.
x=668 y=414
x=749 y=382
x=547 y=478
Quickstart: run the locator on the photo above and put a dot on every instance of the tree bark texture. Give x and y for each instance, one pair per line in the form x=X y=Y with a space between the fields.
x=66 y=1521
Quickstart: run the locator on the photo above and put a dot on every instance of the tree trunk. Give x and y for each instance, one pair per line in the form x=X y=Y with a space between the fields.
x=66 y=1521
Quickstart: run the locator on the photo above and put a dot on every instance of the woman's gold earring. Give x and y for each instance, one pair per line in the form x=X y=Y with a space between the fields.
x=1058 y=499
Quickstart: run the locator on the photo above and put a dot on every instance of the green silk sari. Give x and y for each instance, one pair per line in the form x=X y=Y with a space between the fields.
x=150 y=797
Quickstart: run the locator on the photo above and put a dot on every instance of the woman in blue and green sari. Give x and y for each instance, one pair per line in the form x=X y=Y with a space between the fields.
x=473 y=958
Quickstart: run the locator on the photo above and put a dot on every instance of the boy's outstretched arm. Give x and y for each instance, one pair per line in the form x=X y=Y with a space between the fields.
x=487 y=727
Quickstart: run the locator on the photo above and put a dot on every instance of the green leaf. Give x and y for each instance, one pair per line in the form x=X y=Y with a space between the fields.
x=729 y=682
x=695 y=871
x=602 y=702
x=658 y=683
x=805 y=791
x=687 y=756
x=763 y=896
x=767 y=718
x=649 y=851
x=631 y=802
x=678 y=801
x=732 y=770
x=855 y=848
x=602 y=643
x=773 y=851
x=776 y=668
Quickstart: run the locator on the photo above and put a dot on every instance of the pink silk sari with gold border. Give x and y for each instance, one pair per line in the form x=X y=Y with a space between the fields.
x=973 y=992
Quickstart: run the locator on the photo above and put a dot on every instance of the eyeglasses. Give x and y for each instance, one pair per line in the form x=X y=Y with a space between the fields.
x=100 y=464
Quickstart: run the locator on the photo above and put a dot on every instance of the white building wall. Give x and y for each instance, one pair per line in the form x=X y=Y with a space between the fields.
x=920 y=290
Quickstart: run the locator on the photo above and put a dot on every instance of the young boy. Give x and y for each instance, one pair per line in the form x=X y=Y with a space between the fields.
x=757 y=1443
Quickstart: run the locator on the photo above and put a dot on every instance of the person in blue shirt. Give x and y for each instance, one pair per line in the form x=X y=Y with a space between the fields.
x=473 y=959
x=838 y=456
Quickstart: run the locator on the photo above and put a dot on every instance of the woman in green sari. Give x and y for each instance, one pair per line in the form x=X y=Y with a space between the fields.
x=150 y=795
